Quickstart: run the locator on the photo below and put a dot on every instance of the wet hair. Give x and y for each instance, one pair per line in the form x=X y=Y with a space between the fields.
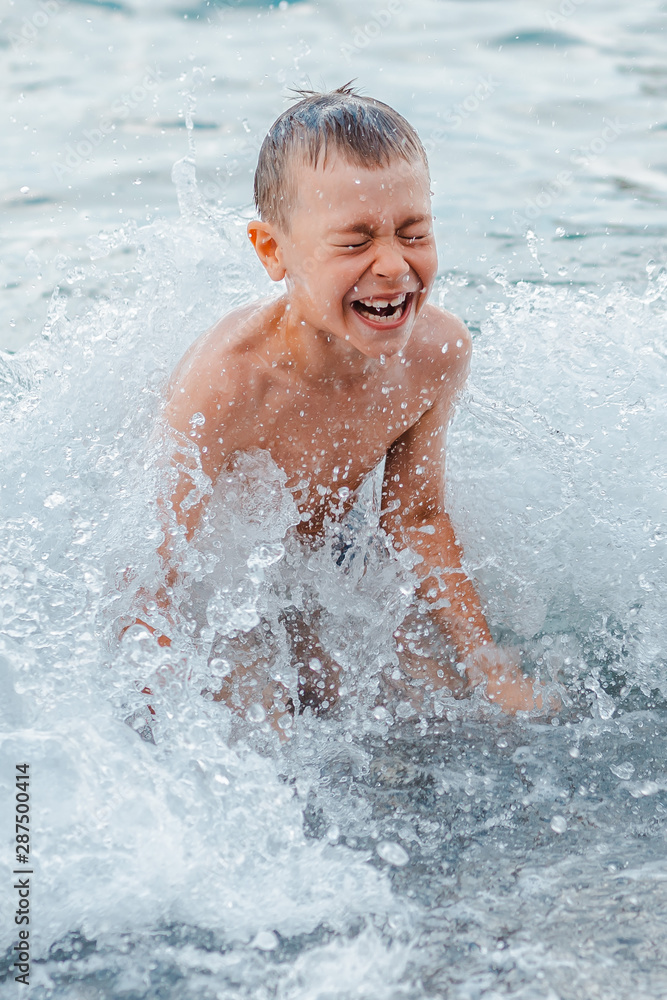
x=364 y=131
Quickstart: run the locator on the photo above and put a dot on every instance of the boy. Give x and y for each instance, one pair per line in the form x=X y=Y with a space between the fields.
x=350 y=365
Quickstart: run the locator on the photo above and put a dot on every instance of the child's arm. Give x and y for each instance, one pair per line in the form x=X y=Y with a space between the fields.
x=194 y=448
x=194 y=454
x=414 y=484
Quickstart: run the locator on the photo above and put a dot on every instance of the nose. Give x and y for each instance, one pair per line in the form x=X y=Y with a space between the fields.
x=389 y=262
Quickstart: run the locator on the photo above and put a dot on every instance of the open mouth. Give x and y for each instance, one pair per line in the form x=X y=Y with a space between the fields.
x=384 y=311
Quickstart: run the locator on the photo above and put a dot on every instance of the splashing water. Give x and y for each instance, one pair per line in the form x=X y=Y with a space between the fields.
x=558 y=456
x=371 y=856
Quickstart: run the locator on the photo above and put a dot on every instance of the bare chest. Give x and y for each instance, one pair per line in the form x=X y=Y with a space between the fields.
x=328 y=442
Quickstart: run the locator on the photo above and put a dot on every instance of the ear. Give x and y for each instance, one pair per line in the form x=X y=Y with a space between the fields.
x=264 y=238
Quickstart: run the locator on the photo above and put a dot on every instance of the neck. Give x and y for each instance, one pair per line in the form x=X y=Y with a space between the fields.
x=318 y=356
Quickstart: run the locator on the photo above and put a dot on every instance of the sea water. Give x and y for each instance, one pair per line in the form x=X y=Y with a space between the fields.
x=380 y=852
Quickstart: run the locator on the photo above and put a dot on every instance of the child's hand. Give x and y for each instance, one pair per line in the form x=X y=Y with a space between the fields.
x=505 y=684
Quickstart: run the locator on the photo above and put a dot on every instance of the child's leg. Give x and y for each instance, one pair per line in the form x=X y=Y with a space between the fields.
x=253 y=654
x=249 y=683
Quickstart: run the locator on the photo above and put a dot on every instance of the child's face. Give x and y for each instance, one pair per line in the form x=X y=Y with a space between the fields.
x=360 y=257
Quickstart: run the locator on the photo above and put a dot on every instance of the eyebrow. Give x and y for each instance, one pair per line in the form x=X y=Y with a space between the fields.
x=363 y=227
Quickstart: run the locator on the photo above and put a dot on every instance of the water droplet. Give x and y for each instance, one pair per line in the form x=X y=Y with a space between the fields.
x=559 y=824
x=623 y=771
x=266 y=555
x=219 y=667
x=265 y=941
x=393 y=853
x=644 y=788
x=256 y=713
x=54 y=499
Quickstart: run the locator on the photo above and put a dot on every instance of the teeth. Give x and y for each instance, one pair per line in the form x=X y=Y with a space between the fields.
x=378 y=309
x=398 y=300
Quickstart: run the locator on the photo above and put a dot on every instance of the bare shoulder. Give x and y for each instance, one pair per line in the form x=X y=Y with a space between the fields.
x=227 y=342
x=441 y=343
x=221 y=364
